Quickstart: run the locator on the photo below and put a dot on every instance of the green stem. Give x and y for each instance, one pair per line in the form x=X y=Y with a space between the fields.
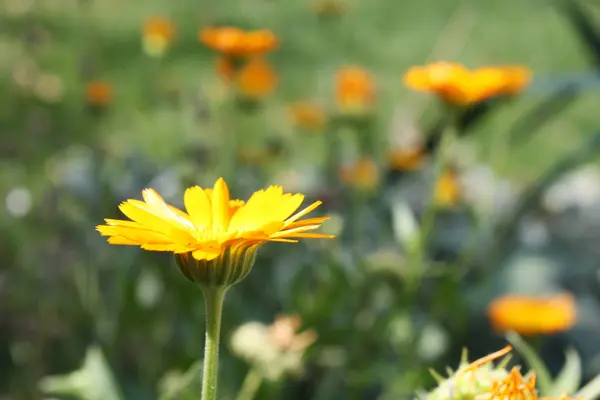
x=250 y=385
x=440 y=162
x=213 y=297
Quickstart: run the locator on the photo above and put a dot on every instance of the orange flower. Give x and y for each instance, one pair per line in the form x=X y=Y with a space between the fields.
x=157 y=34
x=237 y=42
x=355 y=90
x=513 y=387
x=98 y=94
x=533 y=315
x=256 y=79
x=362 y=175
x=308 y=115
x=447 y=189
x=458 y=85
x=406 y=159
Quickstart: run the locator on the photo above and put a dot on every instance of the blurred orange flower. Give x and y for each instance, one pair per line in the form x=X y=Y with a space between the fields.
x=447 y=189
x=256 y=79
x=236 y=42
x=98 y=94
x=406 y=159
x=533 y=315
x=458 y=85
x=157 y=34
x=308 y=115
x=514 y=386
x=355 y=90
x=361 y=175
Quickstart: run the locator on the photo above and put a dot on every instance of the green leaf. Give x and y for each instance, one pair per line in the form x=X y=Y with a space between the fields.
x=591 y=391
x=534 y=361
x=569 y=378
x=93 y=381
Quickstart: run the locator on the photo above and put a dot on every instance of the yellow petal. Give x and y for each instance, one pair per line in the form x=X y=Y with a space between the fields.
x=141 y=236
x=197 y=205
x=150 y=219
x=303 y=212
x=122 y=240
x=158 y=204
x=220 y=206
x=205 y=255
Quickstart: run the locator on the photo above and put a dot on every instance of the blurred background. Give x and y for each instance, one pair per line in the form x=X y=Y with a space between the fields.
x=102 y=98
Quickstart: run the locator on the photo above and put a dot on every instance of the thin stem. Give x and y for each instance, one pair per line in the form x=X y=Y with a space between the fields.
x=250 y=385
x=213 y=297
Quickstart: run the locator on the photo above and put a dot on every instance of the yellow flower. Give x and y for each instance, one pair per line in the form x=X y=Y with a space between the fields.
x=458 y=85
x=235 y=42
x=256 y=79
x=533 y=315
x=213 y=221
x=157 y=34
x=98 y=94
x=355 y=90
x=447 y=189
x=362 y=175
x=307 y=115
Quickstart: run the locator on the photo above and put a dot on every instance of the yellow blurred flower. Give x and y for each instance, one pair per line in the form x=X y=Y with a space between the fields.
x=458 y=85
x=308 y=115
x=447 y=189
x=98 y=94
x=362 y=175
x=355 y=90
x=213 y=221
x=235 y=42
x=533 y=315
x=406 y=159
x=256 y=79
x=157 y=34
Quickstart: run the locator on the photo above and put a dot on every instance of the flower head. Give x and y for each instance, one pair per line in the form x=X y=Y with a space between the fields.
x=256 y=79
x=214 y=227
x=355 y=90
x=98 y=94
x=362 y=175
x=514 y=386
x=458 y=85
x=235 y=42
x=308 y=115
x=406 y=159
x=157 y=34
x=447 y=189
x=533 y=315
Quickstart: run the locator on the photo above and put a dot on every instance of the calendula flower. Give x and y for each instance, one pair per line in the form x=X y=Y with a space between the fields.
x=235 y=42
x=308 y=115
x=256 y=79
x=406 y=159
x=361 y=175
x=533 y=315
x=447 y=189
x=215 y=241
x=456 y=84
x=157 y=34
x=355 y=90
x=514 y=386
x=98 y=94
x=470 y=380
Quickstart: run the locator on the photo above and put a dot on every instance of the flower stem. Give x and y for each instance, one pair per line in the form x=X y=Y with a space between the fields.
x=213 y=297
x=250 y=385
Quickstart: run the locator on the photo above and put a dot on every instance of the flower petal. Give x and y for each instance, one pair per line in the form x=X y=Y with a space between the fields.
x=198 y=206
x=220 y=206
